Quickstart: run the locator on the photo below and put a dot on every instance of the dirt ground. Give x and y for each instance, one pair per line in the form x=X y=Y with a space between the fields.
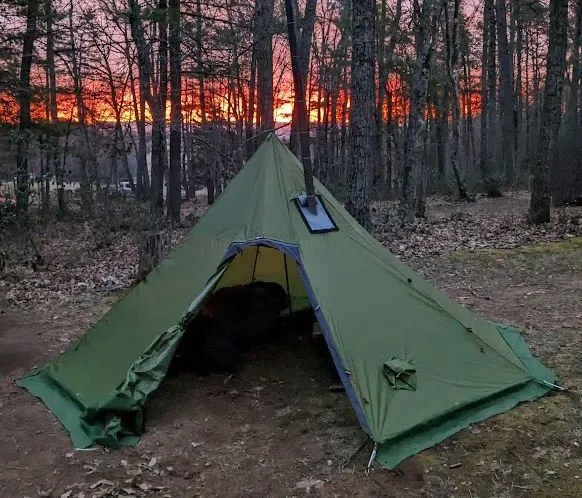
x=275 y=430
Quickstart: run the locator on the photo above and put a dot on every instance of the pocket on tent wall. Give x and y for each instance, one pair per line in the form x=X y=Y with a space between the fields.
x=400 y=374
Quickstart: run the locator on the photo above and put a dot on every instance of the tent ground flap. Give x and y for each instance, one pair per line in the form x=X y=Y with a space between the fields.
x=118 y=421
x=391 y=453
x=66 y=409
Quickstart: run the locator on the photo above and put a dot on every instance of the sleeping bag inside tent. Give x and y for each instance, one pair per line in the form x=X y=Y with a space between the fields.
x=416 y=366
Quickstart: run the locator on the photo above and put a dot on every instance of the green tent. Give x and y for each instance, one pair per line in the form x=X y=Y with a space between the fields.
x=417 y=367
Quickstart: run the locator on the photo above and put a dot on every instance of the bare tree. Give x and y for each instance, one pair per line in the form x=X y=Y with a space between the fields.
x=452 y=26
x=159 y=125
x=264 y=57
x=300 y=109
x=24 y=91
x=566 y=181
x=304 y=42
x=174 y=190
x=118 y=82
x=507 y=153
x=362 y=111
x=426 y=22
x=489 y=101
x=539 y=208
x=385 y=54
x=77 y=67
x=53 y=155
x=139 y=106
x=156 y=102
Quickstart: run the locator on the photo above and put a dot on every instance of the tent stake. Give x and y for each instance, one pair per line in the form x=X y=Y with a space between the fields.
x=555 y=386
x=371 y=461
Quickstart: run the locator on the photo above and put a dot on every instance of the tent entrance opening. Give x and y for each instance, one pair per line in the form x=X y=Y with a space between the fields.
x=259 y=299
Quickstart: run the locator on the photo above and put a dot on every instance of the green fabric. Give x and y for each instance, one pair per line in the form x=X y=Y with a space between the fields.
x=393 y=452
x=119 y=420
x=400 y=373
x=383 y=318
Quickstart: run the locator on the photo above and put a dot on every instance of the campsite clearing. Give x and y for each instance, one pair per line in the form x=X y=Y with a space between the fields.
x=276 y=430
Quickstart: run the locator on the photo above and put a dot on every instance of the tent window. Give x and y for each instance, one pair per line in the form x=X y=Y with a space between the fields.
x=318 y=222
x=400 y=373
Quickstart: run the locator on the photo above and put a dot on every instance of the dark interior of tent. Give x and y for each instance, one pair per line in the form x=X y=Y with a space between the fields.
x=259 y=303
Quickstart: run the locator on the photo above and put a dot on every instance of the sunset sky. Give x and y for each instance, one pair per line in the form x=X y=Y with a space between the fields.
x=99 y=36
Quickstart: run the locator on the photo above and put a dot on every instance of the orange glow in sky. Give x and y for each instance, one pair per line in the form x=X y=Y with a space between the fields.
x=100 y=111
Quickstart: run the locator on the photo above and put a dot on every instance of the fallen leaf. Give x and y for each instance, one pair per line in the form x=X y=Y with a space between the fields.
x=307 y=484
x=102 y=482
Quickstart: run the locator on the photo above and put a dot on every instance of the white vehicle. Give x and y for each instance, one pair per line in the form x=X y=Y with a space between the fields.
x=125 y=188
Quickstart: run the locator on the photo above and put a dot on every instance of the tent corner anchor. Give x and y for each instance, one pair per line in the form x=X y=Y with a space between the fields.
x=371 y=460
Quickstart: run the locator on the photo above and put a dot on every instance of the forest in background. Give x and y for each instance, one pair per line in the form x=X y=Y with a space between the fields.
x=408 y=105
x=403 y=97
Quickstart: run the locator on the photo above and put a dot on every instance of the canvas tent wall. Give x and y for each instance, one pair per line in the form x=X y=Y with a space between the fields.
x=417 y=367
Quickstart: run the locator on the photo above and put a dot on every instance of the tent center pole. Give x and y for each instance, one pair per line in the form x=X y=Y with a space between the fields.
x=287 y=282
x=255 y=264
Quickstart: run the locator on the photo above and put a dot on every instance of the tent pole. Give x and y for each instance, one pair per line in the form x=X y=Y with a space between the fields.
x=255 y=265
x=287 y=282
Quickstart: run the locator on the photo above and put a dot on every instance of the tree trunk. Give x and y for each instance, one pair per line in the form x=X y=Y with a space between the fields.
x=385 y=62
x=250 y=140
x=142 y=176
x=299 y=105
x=304 y=39
x=427 y=24
x=470 y=130
x=264 y=51
x=362 y=111
x=381 y=58
x=539 y=208
x=24 y=94
x=344 y=126
x=159 y=165
x=175 y=189
x=518 y=84
x=154 y=246
x=52 y=99
x=507 y=153
x=566 y=169
x=122 y=149
x=489 y=102
x=452 y=40
x=574 y=95
x=88 y=171
x=154 y=104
